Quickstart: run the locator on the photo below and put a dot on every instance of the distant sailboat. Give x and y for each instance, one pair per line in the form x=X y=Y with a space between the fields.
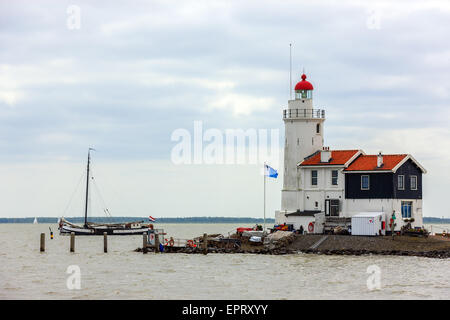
x=35 y=221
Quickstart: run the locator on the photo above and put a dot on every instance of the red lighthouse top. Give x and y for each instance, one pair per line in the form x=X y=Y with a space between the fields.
x=304 y=85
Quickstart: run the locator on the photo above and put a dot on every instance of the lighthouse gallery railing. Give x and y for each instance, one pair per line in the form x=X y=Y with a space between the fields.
x=303 y=113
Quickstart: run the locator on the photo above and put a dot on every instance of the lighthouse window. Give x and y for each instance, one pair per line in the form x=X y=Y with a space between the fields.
x=314 y=177
x=303 y=94
x=365 y=183
x=318 y=128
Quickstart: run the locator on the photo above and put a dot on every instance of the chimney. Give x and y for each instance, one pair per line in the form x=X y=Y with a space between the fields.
x=379 y=160
x=325 y=154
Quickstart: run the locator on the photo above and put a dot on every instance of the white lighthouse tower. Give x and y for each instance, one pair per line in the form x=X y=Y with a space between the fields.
x=303 y=137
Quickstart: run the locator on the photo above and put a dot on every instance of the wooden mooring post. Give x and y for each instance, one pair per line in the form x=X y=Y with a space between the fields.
x=156 y=243
x=105 y=242
x=144 y=242
x=205 y=243
x=72 y=242
x=42 y=242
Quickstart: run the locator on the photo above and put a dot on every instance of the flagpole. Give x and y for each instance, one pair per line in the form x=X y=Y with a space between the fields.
x=264 y=171
x=290 y=71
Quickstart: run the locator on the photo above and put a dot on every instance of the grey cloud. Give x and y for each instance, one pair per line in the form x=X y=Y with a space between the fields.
x=115 y=98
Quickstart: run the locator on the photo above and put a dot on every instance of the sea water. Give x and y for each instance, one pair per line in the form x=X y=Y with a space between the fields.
x=25 y=273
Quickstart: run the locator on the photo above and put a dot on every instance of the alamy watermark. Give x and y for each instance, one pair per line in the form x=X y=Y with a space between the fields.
x=73 y=17
x=229 y=146
x=373 y=21
x=374 y=280
x=73 y=282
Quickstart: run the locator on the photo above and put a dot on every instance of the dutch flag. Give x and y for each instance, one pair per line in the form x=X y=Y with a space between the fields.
x=151 y=219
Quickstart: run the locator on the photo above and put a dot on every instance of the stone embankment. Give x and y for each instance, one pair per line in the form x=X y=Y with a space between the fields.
x=431 y=247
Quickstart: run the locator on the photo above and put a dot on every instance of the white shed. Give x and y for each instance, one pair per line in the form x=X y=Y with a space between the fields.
x=368 y=224
x=304 y=219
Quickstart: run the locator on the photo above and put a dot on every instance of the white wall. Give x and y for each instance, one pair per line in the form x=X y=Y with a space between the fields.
x=305 y=196
x=324 y=189
x=355 y=206
x=301 y=140
x=280 y=217
x=298 y=221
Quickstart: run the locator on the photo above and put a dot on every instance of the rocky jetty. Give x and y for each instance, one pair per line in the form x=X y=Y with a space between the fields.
x=290 y=243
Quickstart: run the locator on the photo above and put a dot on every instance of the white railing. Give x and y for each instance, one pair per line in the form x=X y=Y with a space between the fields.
x=303 y=113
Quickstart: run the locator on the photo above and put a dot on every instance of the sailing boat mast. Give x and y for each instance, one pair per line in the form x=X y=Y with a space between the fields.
x=87 y=188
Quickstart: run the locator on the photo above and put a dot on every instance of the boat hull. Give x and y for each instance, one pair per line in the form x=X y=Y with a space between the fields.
x=101 y=230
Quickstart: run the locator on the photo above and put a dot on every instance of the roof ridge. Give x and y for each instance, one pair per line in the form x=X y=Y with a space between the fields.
x=338 y=157
x=384 y=154
x=311 y=155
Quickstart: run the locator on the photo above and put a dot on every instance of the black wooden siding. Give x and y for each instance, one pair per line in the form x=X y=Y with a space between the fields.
x=384 y=185
x=380 y=186
x=408 y=169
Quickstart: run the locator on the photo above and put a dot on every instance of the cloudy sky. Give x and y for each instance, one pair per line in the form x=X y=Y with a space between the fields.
x=122 y=76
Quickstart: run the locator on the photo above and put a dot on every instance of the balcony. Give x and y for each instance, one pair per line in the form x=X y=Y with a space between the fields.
x=303 y=114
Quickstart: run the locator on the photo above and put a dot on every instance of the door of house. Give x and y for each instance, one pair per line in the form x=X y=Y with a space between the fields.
x=332 y=207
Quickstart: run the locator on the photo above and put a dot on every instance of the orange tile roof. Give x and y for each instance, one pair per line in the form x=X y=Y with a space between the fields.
x=338 y=157
x=369 y=162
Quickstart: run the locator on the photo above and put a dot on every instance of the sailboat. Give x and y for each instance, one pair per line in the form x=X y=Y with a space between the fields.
x=35 y=221
x=90 y=228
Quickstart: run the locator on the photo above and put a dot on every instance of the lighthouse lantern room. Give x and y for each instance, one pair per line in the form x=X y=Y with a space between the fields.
x=303 y=89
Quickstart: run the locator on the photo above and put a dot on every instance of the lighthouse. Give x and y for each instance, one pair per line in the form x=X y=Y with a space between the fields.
x=303 y=137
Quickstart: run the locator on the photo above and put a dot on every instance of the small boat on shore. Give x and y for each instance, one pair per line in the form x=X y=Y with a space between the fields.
x=91 y=228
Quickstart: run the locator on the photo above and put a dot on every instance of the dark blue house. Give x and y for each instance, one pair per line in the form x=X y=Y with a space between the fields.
x=385 y=183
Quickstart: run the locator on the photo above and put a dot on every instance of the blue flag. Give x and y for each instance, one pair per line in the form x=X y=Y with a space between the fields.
x=270 y=172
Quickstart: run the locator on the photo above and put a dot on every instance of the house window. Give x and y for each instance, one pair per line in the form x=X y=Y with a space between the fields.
x=401 y=182
x=316 y=204
x=318 y=128
x=334 y=177
x=365 y=183
x=413 y=182
x=314 y=177
x=406 y=209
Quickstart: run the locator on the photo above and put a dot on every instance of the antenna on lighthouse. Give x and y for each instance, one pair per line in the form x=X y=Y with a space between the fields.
x=290 y=70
